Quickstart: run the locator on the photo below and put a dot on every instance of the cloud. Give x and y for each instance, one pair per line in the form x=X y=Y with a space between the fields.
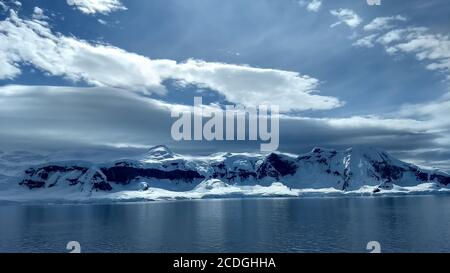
x=439 y=157
x=381 y=23
x=97 y=6
x=9 y=4
x=81 y=116
x=391 y=36
x=347 y=16
x=432 y=48
x=32 y=42
x=435 y=112
x=101 y=21
x=38 y=14
x=251 y=86
x=367 y=41
x=49 y=118
x=312 y=5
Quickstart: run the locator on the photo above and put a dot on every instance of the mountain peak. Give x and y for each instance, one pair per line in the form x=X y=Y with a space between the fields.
x=159 y=152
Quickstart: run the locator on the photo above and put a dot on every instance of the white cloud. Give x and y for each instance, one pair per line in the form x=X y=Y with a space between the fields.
x=381 y=23
x=101 y=21
x=391 y=36
x=367 y=41
x=434 y=48
x=97 y=6
x=33 y=42
x=6 y=5
x=311 y=5
x=249 y=85
x=377 y=122
x=435 y=112
x=347 y=16
x=38 y=14
x=418 y=41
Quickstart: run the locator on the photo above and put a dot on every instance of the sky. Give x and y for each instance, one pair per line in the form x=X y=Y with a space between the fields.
x=104 y=75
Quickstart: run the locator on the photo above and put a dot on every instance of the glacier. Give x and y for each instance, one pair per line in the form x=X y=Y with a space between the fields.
x=161 y=174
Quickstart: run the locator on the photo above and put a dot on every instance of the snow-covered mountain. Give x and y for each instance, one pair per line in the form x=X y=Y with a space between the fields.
x=233 y=173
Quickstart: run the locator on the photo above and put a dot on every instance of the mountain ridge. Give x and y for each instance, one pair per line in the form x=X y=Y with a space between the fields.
x=345 y=170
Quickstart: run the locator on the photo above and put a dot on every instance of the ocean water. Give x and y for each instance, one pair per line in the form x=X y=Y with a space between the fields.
x=346 y=224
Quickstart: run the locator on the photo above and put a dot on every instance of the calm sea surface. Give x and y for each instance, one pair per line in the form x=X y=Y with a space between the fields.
x=399 y=224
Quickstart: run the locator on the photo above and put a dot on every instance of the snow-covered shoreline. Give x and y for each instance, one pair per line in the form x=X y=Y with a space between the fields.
x=214 y=189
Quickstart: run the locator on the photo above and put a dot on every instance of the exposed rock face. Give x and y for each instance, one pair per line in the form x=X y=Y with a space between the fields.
x=102 y=178
x=320 y=168
x=49 y=175
x=277 y=166
x=125 y=174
